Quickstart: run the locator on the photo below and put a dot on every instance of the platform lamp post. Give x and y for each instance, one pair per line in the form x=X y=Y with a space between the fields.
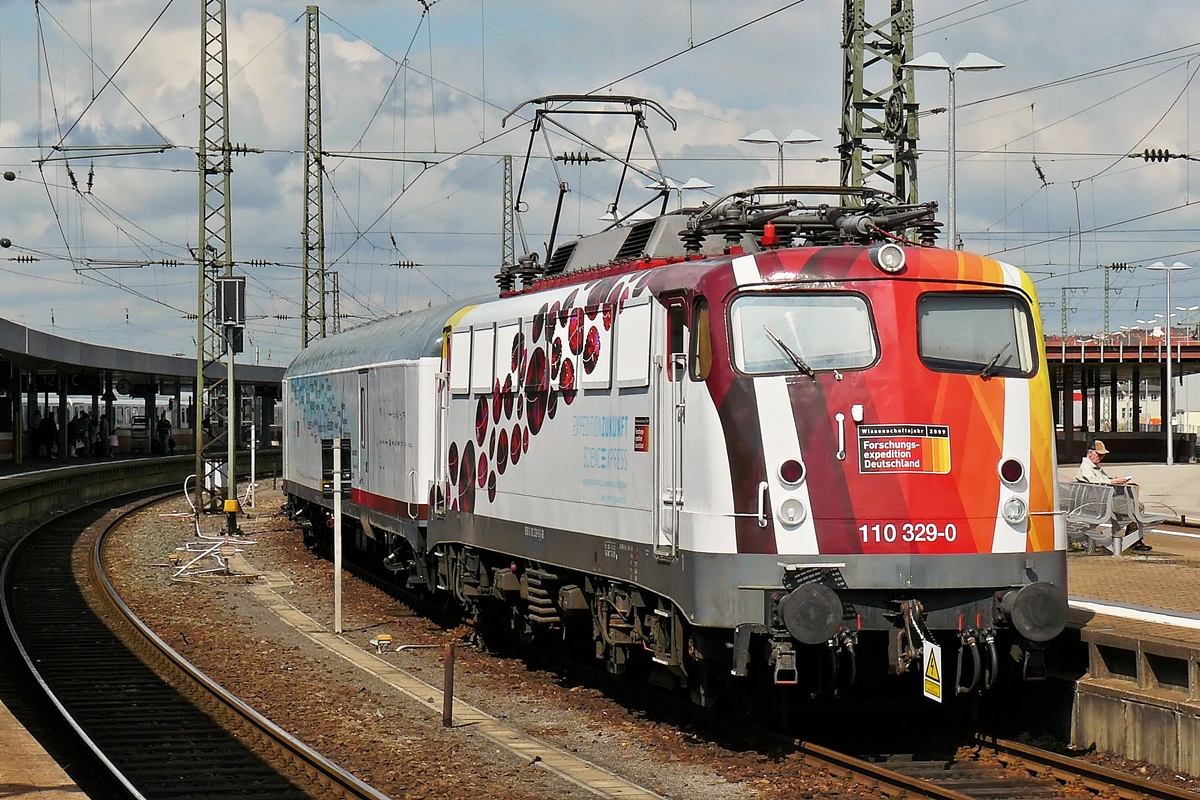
x=1189 y=333
x=764 y=136
x=1169 y=394
x=972 y=62
x=1187 y=317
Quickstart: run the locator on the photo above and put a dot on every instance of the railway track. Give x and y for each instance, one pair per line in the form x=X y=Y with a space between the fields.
x=998 y=769
x=995 y=769
x=160 y=737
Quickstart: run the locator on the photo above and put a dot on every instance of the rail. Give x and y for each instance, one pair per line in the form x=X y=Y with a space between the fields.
x=309 y=761
x=1096 y=778
x=67 y=680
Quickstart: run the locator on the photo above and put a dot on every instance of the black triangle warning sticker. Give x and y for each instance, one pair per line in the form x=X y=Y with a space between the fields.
x=931 y=671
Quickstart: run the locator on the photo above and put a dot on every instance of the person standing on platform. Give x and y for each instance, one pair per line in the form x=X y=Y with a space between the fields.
x=48 y=433
x=72 y=434
x=84 y=434
x=163 y=429
x=102 y=442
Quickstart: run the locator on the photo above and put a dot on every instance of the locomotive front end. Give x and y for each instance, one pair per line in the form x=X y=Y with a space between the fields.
x=906 y=474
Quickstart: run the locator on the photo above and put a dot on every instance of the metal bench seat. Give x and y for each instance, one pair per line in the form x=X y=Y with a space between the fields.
x=1087 y=506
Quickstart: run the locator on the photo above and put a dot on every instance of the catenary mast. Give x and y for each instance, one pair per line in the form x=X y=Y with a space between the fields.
x=213 y=425
x=879 y=120
x=312 y=314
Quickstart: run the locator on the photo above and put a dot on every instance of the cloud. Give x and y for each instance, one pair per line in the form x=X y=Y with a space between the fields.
x=444 y=105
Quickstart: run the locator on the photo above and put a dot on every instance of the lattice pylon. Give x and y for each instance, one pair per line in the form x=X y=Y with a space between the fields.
x=214 y=255
x=508 y=246
x=879 y=100
x=312 y=304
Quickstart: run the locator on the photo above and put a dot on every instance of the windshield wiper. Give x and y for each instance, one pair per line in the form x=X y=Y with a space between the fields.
x=795 y=358
x=989 y=368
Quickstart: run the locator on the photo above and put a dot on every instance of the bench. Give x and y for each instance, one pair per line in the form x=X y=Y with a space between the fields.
x=1087 y=506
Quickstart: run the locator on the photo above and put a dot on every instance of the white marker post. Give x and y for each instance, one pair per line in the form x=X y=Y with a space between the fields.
x=337 y=535
x=253 y=452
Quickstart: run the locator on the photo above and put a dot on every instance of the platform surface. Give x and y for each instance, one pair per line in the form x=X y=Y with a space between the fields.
x=1167 y=579
x=26 y=770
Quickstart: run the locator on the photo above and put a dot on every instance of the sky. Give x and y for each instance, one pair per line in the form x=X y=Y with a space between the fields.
x=413 y=103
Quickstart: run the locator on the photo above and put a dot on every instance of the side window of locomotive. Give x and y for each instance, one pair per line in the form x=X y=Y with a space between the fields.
x=988 y=333
x=676 y=324
x=483 y=354
x=632 y=368
x=700 y=361
x=780 y=333
x=460 y=361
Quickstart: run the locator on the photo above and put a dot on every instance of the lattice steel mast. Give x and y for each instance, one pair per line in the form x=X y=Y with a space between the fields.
x=878 y=100
x=312 y=302
x=336 y=292
x=508 y=245
x=214 y=257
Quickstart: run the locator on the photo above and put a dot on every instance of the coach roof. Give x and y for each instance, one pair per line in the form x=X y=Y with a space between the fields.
x=407 y=336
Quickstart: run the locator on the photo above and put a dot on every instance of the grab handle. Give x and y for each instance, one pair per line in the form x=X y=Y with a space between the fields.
x=841 y=421
x=762 y=504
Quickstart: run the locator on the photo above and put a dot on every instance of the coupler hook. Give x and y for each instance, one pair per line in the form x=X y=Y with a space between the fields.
x=916 y=633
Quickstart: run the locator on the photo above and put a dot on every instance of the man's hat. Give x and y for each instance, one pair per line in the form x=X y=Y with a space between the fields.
x=1099 y=447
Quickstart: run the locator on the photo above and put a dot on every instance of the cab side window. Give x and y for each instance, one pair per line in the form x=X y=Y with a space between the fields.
x=676 y=327
x=700 y=360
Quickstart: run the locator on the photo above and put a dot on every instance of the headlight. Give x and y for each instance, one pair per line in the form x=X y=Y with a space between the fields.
x=889 y=257
x=1014 y=510
x=792 y=513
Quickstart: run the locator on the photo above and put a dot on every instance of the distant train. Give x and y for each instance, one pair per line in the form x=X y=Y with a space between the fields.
x=124 y=410
x=714 y=454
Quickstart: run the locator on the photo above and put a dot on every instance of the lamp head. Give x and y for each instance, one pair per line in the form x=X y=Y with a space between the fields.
x=977 y=62
x=928 y=61
x=800 y=136
x=760 y=136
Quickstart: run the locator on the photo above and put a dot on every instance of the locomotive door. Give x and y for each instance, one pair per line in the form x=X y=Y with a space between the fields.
x=671 y=387
x=441 y=477
x=360 y=465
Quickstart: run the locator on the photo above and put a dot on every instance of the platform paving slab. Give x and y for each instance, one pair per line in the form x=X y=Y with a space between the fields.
x=576 y=770
x=26 y=770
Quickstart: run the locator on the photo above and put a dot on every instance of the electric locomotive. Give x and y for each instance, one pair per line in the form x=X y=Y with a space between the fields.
x=780 y=438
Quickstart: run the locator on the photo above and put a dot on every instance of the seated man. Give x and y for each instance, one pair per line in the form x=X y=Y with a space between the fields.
x=1090 y=472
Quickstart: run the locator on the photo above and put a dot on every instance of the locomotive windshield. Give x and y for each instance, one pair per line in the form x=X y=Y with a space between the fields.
x=985 y=333
x=801 y=333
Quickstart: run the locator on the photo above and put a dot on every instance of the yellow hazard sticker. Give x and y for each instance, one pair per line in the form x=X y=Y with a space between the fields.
x=931 y=655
